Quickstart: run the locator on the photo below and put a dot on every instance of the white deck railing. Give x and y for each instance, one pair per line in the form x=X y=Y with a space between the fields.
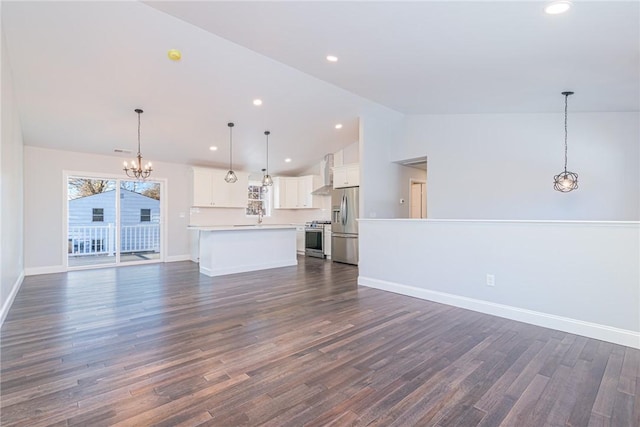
x=140 y=238
x=101 y=240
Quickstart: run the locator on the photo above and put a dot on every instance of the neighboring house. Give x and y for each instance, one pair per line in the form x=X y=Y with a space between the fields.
x=92 y=223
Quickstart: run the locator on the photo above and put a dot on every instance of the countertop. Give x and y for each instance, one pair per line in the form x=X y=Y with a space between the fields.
x=241 y=227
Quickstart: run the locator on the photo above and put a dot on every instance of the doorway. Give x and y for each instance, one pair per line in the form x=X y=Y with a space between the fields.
x=418 y=199
x=112 y=221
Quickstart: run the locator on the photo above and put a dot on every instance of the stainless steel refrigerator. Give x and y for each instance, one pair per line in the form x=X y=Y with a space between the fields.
x=344 y=227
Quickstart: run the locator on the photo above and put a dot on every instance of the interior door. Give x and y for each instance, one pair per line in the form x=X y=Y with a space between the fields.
x=418 y=200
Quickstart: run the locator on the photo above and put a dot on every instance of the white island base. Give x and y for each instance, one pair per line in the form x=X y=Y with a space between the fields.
x=229 y=250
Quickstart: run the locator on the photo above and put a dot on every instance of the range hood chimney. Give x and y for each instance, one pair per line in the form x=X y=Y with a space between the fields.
x=327 y=177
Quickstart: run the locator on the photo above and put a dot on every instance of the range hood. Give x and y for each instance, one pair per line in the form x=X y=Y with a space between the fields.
x=327 y=177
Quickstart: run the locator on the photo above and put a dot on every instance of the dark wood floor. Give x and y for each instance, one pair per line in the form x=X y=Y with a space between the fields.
x=163 y=345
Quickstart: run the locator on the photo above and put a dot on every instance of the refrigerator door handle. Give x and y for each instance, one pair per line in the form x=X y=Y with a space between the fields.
x=343 y=210
x=346 y=209
x=344 y=236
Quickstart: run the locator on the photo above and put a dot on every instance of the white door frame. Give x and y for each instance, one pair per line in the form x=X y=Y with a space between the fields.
x=417 y=181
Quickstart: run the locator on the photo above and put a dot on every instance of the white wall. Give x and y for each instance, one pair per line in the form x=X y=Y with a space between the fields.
x=44 y=201
x=501 y=166
x=11 y=197
x=349 y=154
x=580 y=277
x=380 y=132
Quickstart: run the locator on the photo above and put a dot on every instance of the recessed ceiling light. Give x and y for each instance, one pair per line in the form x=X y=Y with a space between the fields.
x=257 y=102
x=287 y=160
x=213 y=148
x=557 y=7
x=174 y=55
x=332 y=58
x=339 y=126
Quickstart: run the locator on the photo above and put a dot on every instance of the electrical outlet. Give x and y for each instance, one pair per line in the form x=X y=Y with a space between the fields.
x=491 y=280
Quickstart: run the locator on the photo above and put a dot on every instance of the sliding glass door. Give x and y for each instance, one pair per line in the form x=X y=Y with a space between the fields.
x=112 y=221
x=139 y=221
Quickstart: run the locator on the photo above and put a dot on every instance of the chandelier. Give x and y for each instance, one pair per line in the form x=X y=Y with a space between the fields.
x=136 y=170
x=565 y=181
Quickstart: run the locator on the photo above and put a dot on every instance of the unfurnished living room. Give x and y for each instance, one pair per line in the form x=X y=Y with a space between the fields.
x=312 y=213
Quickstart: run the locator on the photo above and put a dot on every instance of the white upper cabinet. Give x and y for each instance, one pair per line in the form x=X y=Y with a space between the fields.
x=305 y=187
x=285 y=192
x=211 y=190
x=346 y=176
x=293 y=192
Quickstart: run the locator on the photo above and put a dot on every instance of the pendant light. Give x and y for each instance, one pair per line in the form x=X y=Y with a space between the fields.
x=266 y=179
x=565 y=181
x=264 y=187
x=136 y=170
x=231 y=175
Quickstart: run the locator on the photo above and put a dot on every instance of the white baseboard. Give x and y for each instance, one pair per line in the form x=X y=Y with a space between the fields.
x=12 y=296
x=175 y=258
x=579 y=327
x=34 y=271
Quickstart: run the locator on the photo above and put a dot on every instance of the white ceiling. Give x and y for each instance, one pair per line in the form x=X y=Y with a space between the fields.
x=80 y=69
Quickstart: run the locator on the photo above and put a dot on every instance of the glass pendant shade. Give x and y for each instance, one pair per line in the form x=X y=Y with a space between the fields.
x=230 y=177
x=267 y=181
x=265 y=187
x=565 y=181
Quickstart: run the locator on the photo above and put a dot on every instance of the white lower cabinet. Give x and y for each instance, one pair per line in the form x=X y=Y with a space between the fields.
x=327 y=241
x=300 y=236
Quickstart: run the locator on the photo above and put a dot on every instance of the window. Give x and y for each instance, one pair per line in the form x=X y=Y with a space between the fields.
x=98 y=215
x=145 y=215
x=258 y=200
x=97 y=245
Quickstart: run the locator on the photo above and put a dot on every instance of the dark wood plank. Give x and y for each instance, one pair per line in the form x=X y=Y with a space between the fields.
x=603 y=405
x=590 y=385
x=163 y=345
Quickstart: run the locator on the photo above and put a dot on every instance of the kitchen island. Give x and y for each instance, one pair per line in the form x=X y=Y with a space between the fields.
x=239 y=248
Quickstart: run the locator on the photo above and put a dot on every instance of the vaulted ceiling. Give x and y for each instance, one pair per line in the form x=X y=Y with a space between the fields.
x=81 y=68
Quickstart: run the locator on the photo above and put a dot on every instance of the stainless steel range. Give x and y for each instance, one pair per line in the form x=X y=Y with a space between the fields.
x=314 y=238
